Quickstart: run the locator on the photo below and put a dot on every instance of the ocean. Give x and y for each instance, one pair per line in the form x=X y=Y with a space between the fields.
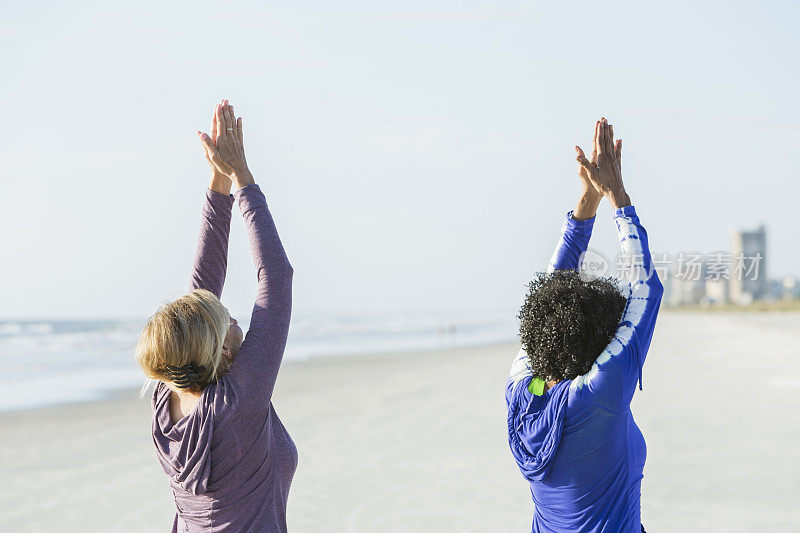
x=50 y=362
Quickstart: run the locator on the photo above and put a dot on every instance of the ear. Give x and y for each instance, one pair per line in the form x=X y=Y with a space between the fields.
x=226 y=353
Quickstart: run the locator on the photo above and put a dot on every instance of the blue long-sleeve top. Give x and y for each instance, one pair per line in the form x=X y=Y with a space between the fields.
x=577 y=444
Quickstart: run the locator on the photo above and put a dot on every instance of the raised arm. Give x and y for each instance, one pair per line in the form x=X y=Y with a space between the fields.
x=572 y=244
x=577 y=228
x=613 y=377
x=575 y=234
x=259 y=359
x=211 y=257
x=255 y=367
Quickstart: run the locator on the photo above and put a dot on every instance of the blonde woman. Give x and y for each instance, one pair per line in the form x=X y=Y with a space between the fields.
x=229 y=459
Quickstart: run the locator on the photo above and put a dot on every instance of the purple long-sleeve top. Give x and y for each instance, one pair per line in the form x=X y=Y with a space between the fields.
x=231 y=460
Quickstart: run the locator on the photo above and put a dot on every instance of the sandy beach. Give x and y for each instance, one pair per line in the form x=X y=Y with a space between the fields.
x=417 y=442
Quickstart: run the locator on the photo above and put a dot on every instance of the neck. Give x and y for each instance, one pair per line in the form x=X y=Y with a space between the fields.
x=183 y=393
x=550 y=384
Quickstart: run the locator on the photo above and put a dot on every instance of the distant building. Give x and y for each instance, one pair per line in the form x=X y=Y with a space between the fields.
x=704 y=288
x=717 y=291
x=737 y=276
x=791 y=288
x=687 y=284
x=686 y=291
x=774 y=289
x=748 y=266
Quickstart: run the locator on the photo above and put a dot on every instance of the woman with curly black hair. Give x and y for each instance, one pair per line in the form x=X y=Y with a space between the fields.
x=570 y=426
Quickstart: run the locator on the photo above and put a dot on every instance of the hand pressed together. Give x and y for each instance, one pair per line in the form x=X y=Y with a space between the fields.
x=224 y=148
x=604 y=171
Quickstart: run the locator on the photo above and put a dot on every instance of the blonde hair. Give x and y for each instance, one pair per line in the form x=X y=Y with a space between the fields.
x=189 y=330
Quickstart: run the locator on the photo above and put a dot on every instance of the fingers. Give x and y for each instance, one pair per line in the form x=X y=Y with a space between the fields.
x=609 y=138
x=603 y=140
x=585 y=163
x=225 y=122
x=594 y=143
x=599 y=138
x=214 y=126
x=220 y=126
x=208 y=156
x=212 y=154
x=229 y=126
x=208 y=145
x=605 y=146
x=224 y=149
x=228 y=120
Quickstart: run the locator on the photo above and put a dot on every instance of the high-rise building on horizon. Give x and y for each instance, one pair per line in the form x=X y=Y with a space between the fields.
x=748 y=265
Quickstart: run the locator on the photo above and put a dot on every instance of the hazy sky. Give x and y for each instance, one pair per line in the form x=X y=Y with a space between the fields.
x=415 y=155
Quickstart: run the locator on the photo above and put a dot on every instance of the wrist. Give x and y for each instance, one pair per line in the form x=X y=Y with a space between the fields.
x=242 y=178
x=618 y=198
x=220 y=183
x=587 y=206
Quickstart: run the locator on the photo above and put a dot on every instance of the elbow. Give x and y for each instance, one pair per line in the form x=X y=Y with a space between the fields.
x=285 y=272
x=288 y=269
x=276 y=272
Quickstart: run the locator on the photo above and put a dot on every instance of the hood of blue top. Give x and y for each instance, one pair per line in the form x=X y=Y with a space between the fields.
x=535 y=424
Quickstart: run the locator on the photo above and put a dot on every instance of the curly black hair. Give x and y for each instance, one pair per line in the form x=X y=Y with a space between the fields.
x=567 y=321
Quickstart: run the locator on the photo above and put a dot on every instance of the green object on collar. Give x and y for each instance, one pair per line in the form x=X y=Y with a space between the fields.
x=536 y=386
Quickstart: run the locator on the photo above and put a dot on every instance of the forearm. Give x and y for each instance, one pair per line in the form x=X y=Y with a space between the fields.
x=587 y=205
x=211 y=257
x=574 y=241
x=636 y=259
x=268 y=252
